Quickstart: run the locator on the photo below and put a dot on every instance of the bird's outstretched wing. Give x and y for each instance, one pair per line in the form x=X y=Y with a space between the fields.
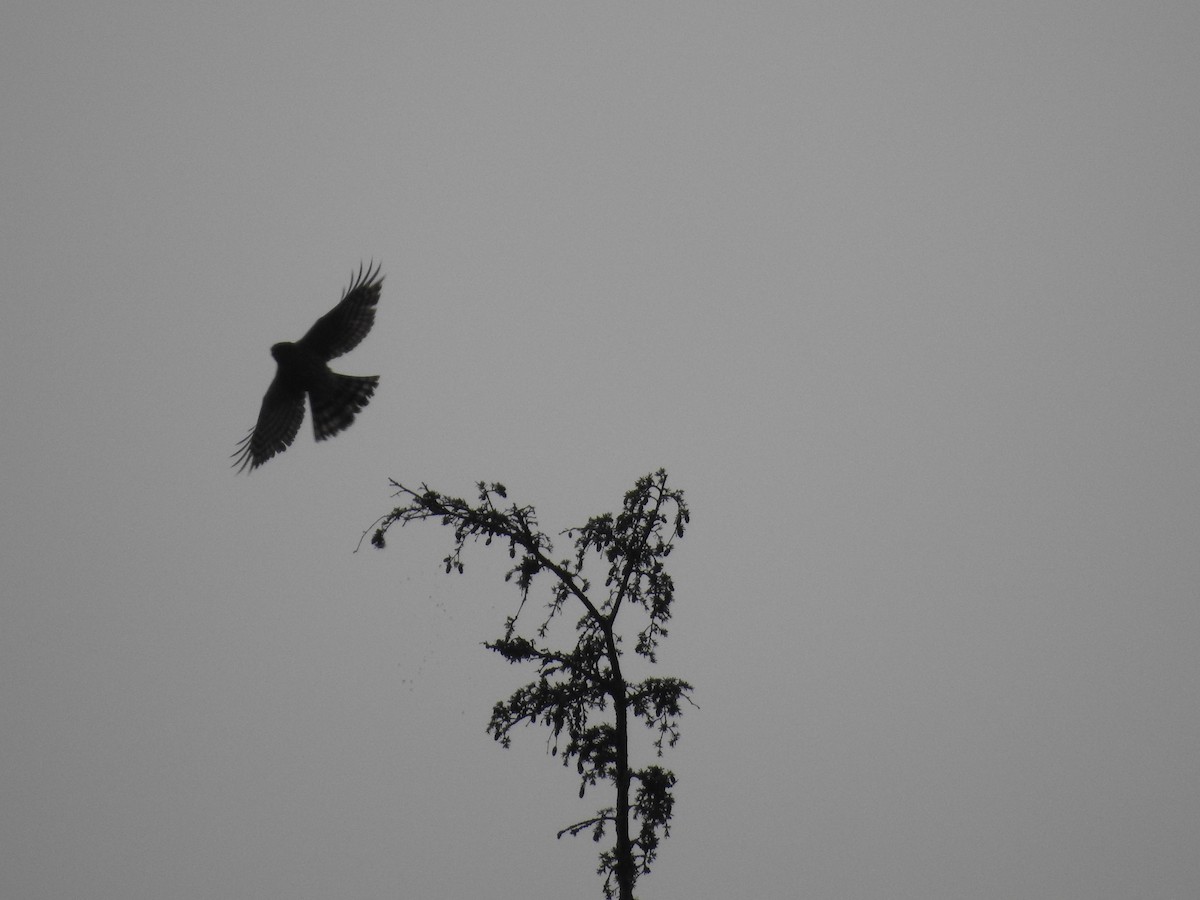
x=278 y=421
x=342 y=328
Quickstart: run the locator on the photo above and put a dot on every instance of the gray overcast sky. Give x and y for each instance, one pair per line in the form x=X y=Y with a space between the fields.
x=904 y=295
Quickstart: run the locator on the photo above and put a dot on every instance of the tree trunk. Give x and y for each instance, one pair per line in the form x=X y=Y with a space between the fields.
x=626 y=873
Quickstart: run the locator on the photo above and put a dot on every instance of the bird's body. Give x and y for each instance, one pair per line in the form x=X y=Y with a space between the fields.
x=303 y=370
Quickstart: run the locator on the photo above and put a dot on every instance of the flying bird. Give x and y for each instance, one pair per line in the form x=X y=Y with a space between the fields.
x=303 y=369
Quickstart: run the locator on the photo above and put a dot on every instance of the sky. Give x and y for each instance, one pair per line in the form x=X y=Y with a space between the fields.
x=903 y=297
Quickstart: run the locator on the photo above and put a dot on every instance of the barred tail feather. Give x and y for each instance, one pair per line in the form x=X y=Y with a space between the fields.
x=337 y=402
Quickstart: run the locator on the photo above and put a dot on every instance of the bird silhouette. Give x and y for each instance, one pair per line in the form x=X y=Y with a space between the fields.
x=303 y=369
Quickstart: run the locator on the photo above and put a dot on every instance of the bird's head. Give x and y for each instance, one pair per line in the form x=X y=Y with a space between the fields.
x=282 y=350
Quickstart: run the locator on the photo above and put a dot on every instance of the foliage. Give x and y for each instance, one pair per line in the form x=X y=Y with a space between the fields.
x=576 y=688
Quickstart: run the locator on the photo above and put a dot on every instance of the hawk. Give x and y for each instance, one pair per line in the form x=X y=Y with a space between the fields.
x=303 y=369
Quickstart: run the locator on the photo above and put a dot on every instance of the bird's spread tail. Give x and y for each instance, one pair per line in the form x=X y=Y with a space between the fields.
x=337 y=402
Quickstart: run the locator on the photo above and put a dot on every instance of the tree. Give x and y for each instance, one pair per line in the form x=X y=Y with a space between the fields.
x=575 y=688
